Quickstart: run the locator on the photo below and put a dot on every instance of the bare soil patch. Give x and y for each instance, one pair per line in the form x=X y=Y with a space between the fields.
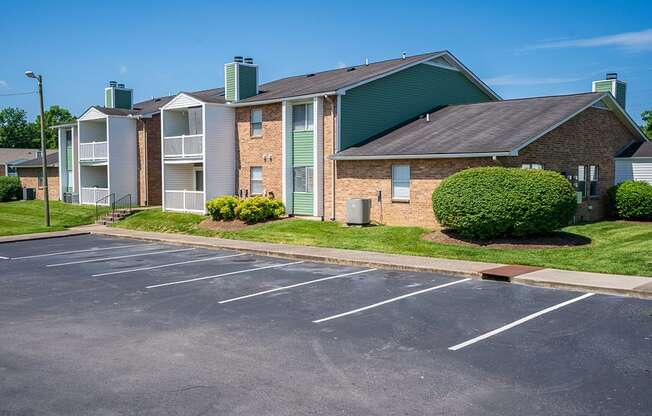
x=553 y=240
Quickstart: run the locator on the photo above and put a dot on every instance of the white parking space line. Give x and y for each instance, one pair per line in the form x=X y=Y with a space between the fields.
x=4 y=258
x=323 y=279
x=168 y=265
x=77 y=251
x=119 y=257
x=520 y=321
x=223 y=274
x=375 y=305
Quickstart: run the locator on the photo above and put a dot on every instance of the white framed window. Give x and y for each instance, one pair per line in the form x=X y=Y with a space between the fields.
x=401 y=182
x=256 y=180
x=256 y=123
x=11 y=170
x=531 y=166
x=303 y=179
x=302 y=117
x=40 y=179
x=580 y=183
x=198 y=179
x=594 y=189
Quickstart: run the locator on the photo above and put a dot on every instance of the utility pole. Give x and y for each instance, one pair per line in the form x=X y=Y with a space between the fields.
x=46 y=196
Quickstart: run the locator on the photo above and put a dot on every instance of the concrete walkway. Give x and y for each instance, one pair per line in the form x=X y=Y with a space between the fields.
x=42 y=236
x=637 y=286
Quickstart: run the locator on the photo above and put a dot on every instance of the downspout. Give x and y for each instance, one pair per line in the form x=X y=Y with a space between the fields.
x=146 y=163
x=333 y=148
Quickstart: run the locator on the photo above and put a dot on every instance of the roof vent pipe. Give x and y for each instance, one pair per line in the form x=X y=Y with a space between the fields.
x=366 y=61
x=237 y=59
x=249 y=61
x=428 y=117
x=403 y=55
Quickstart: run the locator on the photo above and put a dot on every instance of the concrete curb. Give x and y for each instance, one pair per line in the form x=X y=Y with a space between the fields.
x=624 y=285
x=41 y=236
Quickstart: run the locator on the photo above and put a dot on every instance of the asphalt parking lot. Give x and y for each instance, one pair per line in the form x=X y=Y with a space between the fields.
x=105 y=326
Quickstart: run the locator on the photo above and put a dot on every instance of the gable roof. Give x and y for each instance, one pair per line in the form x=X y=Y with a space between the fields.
x=337 y=80
x=499 y=128
x=52 y=160
x=8 y=155
x=638 y=149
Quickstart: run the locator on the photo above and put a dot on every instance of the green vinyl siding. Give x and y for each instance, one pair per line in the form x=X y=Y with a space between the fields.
x=123 y=99
x=302 y=203
x=108 y=98
x=229 y=86
x=302 y=148
x=603 y=86
x=381 y=104
x=247 y=81
x=621 y=91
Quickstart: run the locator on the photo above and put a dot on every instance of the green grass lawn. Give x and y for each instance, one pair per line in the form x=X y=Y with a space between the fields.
x=617 y=247
x=24 y=217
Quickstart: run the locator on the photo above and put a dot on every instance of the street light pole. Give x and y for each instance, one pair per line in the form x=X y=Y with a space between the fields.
x=46 y=196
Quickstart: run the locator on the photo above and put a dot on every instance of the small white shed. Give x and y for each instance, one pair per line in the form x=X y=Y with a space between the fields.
x=635 y=162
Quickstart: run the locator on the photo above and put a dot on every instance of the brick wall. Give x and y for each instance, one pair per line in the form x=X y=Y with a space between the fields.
x=3 y=169
x=149 y=161
x=29 y=179
x=250 y=151
x=591 y=138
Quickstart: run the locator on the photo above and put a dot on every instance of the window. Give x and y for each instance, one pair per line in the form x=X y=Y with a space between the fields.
x=593 y=181
x=199 y=180
x=302 y=117
x=401 y=182
x=256 y=123
x=580 y=182
x=303 y=179
x=256 y=180
x=11 y=170
x=40 y=179
x=532 y=166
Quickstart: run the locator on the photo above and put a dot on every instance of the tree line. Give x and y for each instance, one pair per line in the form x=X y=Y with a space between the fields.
x=17 y=132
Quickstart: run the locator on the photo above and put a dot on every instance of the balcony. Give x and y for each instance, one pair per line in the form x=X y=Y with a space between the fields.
x=184 y=201
x=183 y=147
x=93 y=151
x=92 y=195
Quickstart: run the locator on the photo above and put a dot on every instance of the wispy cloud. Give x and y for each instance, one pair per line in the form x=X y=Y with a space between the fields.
x=516 y=80
x=635 y=41
x=123 y=69
x=3 y=83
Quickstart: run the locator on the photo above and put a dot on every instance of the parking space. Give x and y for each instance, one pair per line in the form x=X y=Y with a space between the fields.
x=99 y=325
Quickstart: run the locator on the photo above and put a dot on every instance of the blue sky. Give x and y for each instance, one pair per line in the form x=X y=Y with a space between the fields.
x=161 y=47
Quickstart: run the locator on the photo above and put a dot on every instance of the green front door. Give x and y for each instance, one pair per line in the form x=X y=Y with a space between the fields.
x=302 y=159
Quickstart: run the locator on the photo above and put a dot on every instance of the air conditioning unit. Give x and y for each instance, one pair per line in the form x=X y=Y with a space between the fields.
x=358 y=211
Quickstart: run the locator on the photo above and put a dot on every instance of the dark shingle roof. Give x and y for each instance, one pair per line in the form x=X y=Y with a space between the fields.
x=153 y=105
x=639 y=149
x=52 y=161
x=327 y=81
x=490 y=127
x=10 y=154
x=213 y=95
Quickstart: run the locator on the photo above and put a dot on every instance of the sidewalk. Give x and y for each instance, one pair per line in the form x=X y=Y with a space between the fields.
x=41 y=236
x=636 y=286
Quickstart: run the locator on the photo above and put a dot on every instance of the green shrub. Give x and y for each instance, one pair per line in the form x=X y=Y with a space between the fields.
x=9 y=188
x=222 y=208
x=496 y=202
x=630 y=200
x=259 y=208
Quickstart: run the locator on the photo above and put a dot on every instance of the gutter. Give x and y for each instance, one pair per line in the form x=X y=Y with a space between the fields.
x=425 y=156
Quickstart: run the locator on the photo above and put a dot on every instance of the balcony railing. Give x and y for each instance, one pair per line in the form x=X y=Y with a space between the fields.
x=184 y=146
x=93 y=151
x=92 y=195
x=184 y=201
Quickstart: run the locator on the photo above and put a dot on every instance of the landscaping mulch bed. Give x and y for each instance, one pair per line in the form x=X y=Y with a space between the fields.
x=234 y=225
x=553 y=240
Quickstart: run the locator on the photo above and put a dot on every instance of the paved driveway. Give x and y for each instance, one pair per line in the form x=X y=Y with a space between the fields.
x=104 y=326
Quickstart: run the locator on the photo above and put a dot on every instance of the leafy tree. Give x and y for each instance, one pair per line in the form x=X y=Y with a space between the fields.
x=647 y=123
x=15 y=131
x=53 y=116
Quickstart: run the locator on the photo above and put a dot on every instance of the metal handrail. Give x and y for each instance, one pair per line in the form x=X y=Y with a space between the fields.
x=104 y=205
x=123 y=203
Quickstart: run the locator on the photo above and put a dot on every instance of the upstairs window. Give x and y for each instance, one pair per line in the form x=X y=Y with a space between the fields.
x=256 y=180
x=256 y=123
x=302 y=117
x=593 y=181
x=11 y=170
x=401 y=182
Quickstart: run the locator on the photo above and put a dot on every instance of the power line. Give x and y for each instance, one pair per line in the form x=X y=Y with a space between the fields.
x=18 y=93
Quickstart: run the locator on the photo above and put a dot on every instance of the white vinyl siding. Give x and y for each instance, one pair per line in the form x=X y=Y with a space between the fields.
x=219 y=151
x=401 y=182
x=638 y=169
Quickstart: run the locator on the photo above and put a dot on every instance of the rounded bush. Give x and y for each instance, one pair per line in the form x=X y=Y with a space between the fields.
x=10 y=188
x=631 y=200
x=222 y=208
x=259 y=208
x=495 y=202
